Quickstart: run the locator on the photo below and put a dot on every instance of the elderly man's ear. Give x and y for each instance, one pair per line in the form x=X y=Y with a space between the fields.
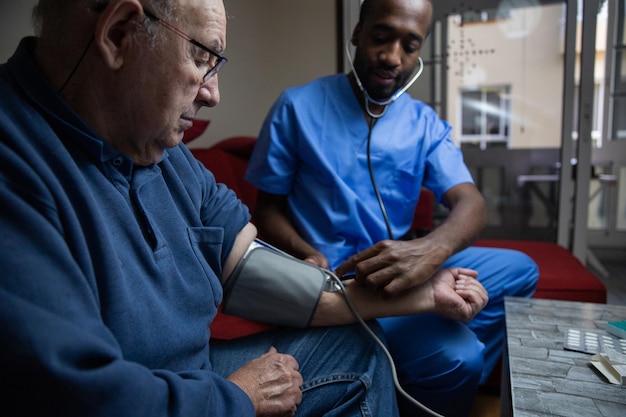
x=115 y=29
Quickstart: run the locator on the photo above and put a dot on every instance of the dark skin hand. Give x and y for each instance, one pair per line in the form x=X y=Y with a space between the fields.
x=395 y=266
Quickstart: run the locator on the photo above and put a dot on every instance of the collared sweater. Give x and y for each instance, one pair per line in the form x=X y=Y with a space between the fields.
x=108 y=271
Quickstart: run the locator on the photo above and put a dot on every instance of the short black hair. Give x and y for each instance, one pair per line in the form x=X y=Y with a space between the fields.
x=363 y=11
x=366 y=5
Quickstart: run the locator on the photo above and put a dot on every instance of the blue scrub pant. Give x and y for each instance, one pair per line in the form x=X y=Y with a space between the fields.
x=441 y=362
x=345 y=373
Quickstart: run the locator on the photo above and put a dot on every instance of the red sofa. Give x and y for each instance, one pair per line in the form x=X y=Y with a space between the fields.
x=561 y=275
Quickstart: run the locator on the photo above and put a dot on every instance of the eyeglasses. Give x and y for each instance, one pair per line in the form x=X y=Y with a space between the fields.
x=216 y=61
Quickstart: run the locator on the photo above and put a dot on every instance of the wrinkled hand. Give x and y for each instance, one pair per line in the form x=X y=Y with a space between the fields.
x=457 y=294
x=272 y=382
x=394 y=266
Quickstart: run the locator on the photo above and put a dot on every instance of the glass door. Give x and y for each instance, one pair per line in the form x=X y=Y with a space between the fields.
x=535 y=91
x=497 y=76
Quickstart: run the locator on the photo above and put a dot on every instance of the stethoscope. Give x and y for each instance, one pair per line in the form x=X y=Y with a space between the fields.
x=374 y=117
x=366 y=97
x=385 y=104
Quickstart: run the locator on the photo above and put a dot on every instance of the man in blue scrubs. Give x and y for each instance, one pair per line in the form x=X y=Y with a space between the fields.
x=339 y=164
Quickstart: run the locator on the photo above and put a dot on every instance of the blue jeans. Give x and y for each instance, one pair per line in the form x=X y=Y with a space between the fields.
x=345 y=373
x=441 y=362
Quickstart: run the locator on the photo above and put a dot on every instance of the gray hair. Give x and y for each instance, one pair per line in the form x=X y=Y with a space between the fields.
x=50 y=17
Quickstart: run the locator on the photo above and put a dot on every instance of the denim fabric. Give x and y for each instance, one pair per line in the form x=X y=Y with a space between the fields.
x=345 y=373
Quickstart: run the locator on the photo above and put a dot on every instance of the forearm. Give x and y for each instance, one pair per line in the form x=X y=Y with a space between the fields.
x=333 y=309
x=464 y=223
x=454 y=293
x=276 y=229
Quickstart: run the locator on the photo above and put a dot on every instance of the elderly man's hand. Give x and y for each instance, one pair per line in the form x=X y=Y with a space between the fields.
x=457 y=294
x=272 y=382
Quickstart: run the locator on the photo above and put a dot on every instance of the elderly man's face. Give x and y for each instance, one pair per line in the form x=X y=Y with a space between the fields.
x=168 y=80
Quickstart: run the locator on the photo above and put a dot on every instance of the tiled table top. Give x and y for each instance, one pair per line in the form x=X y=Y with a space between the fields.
x=540 y=377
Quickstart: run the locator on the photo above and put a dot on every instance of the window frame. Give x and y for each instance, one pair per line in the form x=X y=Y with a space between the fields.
x=503 y=113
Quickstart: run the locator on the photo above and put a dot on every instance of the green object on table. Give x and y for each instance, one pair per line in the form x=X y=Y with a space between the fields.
x=617 y=328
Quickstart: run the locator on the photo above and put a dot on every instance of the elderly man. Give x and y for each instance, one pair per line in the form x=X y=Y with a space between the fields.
x=116 y=242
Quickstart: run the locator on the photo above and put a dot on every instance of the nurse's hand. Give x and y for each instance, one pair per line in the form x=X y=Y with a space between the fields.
x=395 y=266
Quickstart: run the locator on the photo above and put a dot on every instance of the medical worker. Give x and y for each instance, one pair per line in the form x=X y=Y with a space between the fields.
x=339 y=164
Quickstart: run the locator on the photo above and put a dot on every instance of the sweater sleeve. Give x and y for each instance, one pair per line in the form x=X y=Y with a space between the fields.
x=58 y=358
x=93 y=320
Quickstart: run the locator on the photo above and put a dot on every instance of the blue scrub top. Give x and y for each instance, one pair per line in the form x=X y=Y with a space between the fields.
x=313 y=148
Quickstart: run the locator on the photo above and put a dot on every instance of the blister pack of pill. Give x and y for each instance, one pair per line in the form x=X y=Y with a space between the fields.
x=588 y=341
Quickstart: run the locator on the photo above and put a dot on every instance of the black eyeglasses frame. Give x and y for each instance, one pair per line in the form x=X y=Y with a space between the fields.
x=221 y=60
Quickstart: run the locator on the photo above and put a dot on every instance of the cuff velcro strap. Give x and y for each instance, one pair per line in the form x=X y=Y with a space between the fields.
x=273 y=287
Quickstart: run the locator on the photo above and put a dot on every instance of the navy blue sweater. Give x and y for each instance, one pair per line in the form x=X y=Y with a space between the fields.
x=109 y=272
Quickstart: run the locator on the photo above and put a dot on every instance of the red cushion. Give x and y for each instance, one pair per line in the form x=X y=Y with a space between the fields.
x=229 y=169
x=227 y=327
x=561 y=275
x=423 y=218
x=228 y=160
x=198 y=127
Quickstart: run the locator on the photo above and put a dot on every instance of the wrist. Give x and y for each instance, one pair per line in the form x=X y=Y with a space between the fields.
x=440 y=247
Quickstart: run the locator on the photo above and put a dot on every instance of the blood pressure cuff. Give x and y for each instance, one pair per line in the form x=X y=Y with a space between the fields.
x=273 y=287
